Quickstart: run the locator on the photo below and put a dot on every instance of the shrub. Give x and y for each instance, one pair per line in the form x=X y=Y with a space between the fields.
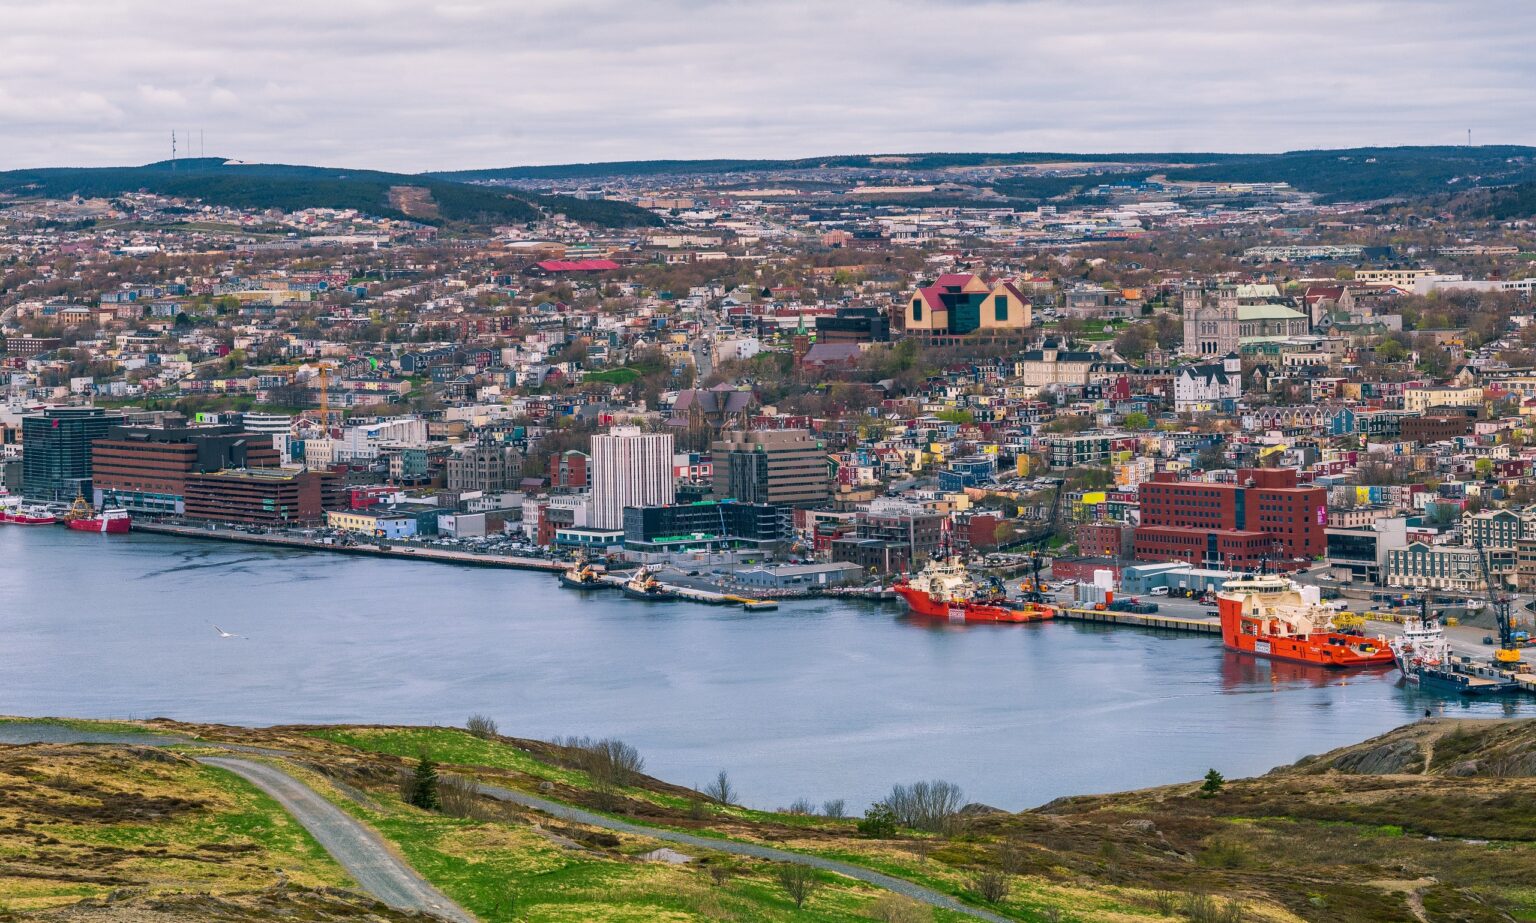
x=798 y=881
x=836 y=808
x=879 y=821
x=1213 y=782
x=458 y=797
x=800 y=806
x=894 y=908
x=991 y=886
x=481 y=726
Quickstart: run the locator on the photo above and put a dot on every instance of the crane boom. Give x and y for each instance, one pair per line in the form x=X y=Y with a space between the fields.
x=1037 y=554
x=1507 y=652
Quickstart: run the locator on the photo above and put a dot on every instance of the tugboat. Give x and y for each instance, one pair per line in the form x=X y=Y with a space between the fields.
x=582 y=575
x=1424 y=657
x=83 y=518
x=644 y=585
x=944 y=590
x=1266 y=615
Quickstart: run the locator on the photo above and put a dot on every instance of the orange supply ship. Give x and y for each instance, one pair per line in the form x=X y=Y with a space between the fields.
x=945 y=590
x=1266 y=615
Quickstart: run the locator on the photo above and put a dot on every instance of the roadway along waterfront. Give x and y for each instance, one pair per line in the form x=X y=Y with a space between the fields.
x=819 y=698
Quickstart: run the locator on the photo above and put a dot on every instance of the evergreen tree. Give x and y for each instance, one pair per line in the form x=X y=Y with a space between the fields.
x=424 y=786
x=1213 y=782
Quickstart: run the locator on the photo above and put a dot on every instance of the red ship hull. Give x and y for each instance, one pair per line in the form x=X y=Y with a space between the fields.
x=1324 y=649
x=22 y=519
x=115 y=526
x=921 y=603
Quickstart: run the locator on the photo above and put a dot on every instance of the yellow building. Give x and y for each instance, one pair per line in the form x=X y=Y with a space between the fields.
x=1419 y=400
x=962 y=303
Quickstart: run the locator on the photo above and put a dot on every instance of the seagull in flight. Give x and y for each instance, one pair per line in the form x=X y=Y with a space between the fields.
x=229 y=634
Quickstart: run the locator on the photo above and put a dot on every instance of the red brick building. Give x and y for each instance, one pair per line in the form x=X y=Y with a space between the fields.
x=570 y=470
x=1265 y=517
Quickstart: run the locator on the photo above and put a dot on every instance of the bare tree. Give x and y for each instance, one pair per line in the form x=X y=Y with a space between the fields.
x=930 y=806
x=481 y=726
x=798 y=881
x=835 y=808
x=610 y=763
x=721 y=789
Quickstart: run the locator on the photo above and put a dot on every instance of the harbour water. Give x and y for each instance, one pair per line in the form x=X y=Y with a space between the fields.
x=818 y=699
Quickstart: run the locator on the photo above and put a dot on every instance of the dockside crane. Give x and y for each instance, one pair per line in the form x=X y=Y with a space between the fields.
x=1037 y=554
x=1507 y=654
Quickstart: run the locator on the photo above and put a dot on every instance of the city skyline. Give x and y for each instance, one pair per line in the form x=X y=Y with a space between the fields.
x=457 y=86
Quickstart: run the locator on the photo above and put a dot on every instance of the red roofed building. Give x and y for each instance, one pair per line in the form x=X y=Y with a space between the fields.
x=555 y=267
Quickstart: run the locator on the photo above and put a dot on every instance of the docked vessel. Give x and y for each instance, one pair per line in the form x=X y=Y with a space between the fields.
x=1267 y=615
x=83 y=518
x=644 y=585
x=28 y=516
x=945 y=590
x=1425 y=659
x=583 y=575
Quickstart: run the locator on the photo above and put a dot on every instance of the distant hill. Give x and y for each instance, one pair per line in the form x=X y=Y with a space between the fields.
x=291 y=187
x=1354 y=174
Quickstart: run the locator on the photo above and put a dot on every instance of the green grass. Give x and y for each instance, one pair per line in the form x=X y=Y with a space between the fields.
x=84 y=724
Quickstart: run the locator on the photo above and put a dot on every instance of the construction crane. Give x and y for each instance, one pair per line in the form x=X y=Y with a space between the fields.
x=1498 y=597
x=325 y=396
x=1034 y=593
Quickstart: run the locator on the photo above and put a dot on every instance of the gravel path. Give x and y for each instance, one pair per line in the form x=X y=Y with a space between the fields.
x=378 y=871
x=354 y=846
x=888 y=882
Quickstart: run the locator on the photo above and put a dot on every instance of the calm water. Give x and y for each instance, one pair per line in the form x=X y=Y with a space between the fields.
x=818 y=699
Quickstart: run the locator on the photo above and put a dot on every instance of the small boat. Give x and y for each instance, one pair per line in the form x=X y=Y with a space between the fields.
x=29 y=516
x=644 y=585
x=1267 y=615
x=583 y=575
x=82 y=517
x=944 y=590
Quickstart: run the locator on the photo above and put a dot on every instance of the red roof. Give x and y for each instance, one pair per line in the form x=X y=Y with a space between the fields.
x=577 y=265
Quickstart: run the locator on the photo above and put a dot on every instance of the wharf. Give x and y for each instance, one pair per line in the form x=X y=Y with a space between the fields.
x=708 y=597
x=384 y=549
x=1164 y=622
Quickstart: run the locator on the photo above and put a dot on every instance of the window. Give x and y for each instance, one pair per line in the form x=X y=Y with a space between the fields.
x=1000 y=307
x=917 y=309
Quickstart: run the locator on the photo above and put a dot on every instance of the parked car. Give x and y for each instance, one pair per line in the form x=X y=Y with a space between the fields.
x=1158 y=591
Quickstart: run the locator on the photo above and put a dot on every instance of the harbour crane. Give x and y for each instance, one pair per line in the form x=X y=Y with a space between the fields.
x=1507 y=654
x=1037 y=554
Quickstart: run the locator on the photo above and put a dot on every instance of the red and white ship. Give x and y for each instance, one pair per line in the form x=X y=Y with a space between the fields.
x=21 y=515
x=83 y=518
x=944 y=590
x=1267 y=615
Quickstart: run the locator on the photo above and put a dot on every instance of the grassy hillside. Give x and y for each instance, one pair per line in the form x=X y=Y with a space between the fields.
x=290 y=187
x=1433 y=822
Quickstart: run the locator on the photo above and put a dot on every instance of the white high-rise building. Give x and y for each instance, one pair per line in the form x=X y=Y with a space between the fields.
x=629 y=468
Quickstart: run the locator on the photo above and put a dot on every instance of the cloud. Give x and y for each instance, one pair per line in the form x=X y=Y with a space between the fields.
x=395 y=84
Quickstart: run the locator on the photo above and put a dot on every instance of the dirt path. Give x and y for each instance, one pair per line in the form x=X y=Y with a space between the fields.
x=354 y=846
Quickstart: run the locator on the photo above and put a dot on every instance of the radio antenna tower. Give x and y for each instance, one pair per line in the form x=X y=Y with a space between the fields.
x=173 y=149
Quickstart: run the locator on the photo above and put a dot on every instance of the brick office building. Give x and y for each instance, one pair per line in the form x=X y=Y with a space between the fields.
x=1266 y=517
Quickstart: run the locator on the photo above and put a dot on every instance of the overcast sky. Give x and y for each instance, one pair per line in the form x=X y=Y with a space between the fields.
x=411 y=86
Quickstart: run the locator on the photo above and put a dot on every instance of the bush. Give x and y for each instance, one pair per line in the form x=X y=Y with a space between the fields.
x=836 y=808
x=801 y=806
x=894 y=908
x=930 y=806
x=798 y=881
x=610 y=762
x=1213 y=782
x=481 y=726
x=991 y=886
x=879 y=821
x=458 y=798
x=1202 y=908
